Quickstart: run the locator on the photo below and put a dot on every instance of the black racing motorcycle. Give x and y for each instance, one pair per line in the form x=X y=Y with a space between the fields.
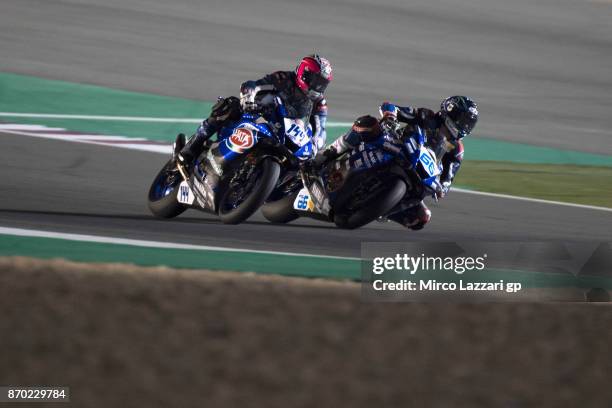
x=360 y=186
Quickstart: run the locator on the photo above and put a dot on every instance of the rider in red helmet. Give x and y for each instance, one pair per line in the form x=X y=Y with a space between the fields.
x=301 y=91
x=312 y=76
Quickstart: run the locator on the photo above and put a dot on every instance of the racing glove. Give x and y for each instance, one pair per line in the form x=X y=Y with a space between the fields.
x=444 y=189
x=389 y=124
x=225 y=109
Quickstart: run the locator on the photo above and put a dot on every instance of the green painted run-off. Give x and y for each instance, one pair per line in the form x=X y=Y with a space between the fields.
x=26 y=94
x=48 y=248
x=242 y=261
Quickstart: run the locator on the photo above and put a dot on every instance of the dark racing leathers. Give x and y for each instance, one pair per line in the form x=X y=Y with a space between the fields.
x=281 y=84
x=411 y=215
x=297 y=104
x=450 y=151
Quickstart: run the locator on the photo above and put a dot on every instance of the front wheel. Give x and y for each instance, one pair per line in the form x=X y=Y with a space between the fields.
x=164 y=189
x=241 y=200
x=280 y=211
x=378 y=204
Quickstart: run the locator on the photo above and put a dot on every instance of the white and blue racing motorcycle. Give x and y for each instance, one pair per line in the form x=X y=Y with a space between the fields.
x=235 y=174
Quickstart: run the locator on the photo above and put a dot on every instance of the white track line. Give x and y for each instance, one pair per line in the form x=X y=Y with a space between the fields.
x=163 y=149
x=22 y=129
x=16 y=126
x=149 y=244
x=99 y=117
x=100 y=140
x=74 y=137
x=534 y=200
x=125 y=118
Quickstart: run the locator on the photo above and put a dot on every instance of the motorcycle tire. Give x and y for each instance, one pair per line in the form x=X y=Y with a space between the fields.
x=268 y=177
x=381 y=203
x=280 y=211
x=163 y=203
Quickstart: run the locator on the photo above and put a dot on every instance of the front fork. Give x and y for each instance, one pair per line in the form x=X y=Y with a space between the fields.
x=177 y=146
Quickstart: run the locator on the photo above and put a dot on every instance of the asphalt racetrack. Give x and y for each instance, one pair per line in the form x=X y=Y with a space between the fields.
x=540 y=72
x=79 y=188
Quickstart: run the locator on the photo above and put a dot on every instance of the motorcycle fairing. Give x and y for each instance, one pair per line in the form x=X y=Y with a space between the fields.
x=303 y=201
x=185 y=195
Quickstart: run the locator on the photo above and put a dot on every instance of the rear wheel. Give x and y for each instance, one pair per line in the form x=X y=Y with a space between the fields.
x=242 y=198
x=377 y=203
x=163 y=192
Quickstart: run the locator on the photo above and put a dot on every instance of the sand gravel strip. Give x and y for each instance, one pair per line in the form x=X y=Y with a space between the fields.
x=128 y=336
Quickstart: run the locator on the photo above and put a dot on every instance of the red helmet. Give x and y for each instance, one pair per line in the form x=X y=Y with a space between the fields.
x=313 y=74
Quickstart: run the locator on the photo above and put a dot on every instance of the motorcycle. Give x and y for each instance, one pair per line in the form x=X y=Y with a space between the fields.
x=371 y=181
x=233 y=176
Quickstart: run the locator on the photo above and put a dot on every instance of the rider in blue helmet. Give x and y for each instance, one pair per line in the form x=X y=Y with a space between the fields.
x=443 y=129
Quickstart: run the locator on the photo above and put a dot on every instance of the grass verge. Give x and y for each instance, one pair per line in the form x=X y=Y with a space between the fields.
x=590 y=185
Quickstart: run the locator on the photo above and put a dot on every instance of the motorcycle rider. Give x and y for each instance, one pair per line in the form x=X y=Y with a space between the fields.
x=444 y=131
x=301 y=92
x=365 y=129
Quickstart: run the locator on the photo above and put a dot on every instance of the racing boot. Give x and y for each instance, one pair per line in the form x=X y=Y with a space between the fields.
x=322 y=158
x=195 y=145
x=414 y=217
x=225 y=110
